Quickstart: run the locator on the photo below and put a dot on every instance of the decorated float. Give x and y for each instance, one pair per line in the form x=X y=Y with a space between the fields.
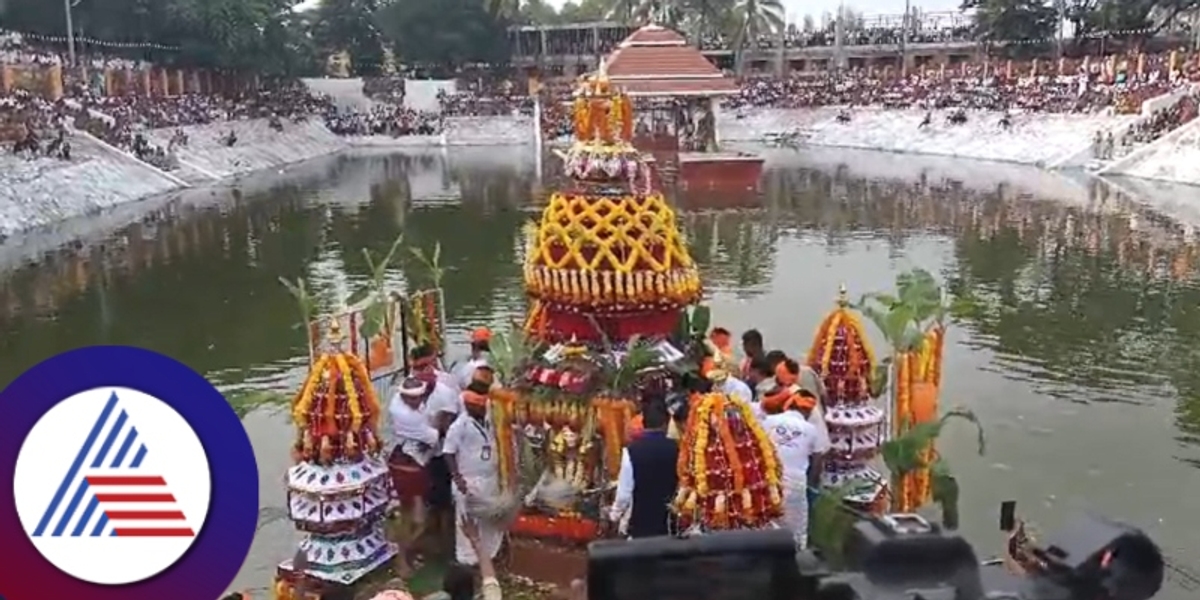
x=728 y=470
x=841 y=355
x=339 y=492
x=608 y=277
x=613 y=293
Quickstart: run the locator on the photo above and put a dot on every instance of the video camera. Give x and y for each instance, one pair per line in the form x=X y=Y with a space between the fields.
x=895 y=557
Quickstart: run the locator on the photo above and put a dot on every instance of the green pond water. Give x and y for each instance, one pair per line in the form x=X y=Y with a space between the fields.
x=1076 y=336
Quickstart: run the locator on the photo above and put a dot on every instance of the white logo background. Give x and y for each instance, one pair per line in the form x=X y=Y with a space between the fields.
x=173 y=451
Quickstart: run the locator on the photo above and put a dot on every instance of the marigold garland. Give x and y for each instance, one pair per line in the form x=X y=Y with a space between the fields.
x=504 y=403
x=304 y=399
x=336 y=411
x=729 y=474
x=620 y=253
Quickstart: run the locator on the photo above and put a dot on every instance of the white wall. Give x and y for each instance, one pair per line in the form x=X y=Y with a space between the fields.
x=421 y=94
x=1035 y=139
x=346 y=93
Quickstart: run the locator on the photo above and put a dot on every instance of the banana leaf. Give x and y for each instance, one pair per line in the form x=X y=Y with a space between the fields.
x=832 y=521
x=701 y=319
x=902 y=454
x=944 y=487
x=305 y=300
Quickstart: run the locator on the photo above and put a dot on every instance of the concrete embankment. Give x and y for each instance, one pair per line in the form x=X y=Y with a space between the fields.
x=45 y=191
x=207 y=157
x=1173 y=158
x=42 y=191
x=1033 y=139
x=462 y=131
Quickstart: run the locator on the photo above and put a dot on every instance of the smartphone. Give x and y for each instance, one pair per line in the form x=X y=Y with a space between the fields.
x=1008 y=515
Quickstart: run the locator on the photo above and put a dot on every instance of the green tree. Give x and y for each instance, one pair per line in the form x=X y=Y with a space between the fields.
x=538 y=12
x=754 y=19
x=585 y=11
x=445 y=33
x=350 y=25
x=1013 y=20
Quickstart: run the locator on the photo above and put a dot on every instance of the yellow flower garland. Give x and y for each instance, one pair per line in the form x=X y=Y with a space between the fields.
x=304 y=399
x=351 y=393
x=619 y=230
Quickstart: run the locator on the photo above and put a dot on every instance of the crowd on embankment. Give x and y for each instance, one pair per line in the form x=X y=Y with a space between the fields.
x=189 y=128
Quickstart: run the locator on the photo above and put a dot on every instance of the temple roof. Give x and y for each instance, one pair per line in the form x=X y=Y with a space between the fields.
x=656 y=61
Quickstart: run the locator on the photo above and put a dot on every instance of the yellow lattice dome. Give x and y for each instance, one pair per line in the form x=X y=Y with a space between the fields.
x=616 y=252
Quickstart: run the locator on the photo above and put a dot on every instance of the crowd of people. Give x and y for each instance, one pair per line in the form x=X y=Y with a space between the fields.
x=383 y=119
x=475 y=102
x=1106 y=146
x=974 y=89
x=442 y=461
x=34 y=126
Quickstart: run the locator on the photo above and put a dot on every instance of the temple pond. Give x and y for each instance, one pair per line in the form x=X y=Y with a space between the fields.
x=1077 y=309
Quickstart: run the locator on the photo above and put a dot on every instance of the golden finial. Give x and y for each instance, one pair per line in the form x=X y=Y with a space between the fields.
x=335 y=335
x=843 y=299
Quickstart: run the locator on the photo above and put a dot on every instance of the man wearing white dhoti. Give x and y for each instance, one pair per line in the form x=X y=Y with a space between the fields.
x=416 y=440
x=796 y=442
x=471 y=453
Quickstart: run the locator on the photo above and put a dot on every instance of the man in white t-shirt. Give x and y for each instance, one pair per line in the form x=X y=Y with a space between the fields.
x=473 y=457
x=464 y=374
x=796 y=442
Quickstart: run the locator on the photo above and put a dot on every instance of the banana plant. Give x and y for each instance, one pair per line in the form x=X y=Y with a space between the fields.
x=432 y=263
x=904 y=317
x=905 y=454
x=510 y=351
x=304 y=299
x=377 y=314
x=832 y=521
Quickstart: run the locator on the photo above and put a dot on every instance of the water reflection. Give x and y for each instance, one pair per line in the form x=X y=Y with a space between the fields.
x=1068 y=293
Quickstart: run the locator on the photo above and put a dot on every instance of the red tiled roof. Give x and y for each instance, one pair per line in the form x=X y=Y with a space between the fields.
x=655 y=61
x=678 y=87
x=673 y=61
x=654 y=34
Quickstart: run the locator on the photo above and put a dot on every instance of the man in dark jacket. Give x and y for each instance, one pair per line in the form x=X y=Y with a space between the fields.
x=647 y=481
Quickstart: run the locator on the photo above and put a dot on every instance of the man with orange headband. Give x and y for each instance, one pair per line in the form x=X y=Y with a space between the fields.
x=797 y=444
x=473 y=457
x=795 y=379
x=481 y=339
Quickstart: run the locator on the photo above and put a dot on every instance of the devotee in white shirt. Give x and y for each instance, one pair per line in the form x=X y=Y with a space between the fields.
x=473 y=457
x=464 y=374
x=442 y=407
x=790 y=375
x=416 y=438
x=796 y=442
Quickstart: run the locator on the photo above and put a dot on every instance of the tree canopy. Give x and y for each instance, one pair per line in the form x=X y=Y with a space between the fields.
x=272 y=37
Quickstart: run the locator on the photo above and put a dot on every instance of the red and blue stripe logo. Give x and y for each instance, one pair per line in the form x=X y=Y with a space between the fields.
x=110 y=492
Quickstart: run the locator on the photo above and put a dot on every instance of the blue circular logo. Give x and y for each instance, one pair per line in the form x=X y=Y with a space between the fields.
x=133 y=479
